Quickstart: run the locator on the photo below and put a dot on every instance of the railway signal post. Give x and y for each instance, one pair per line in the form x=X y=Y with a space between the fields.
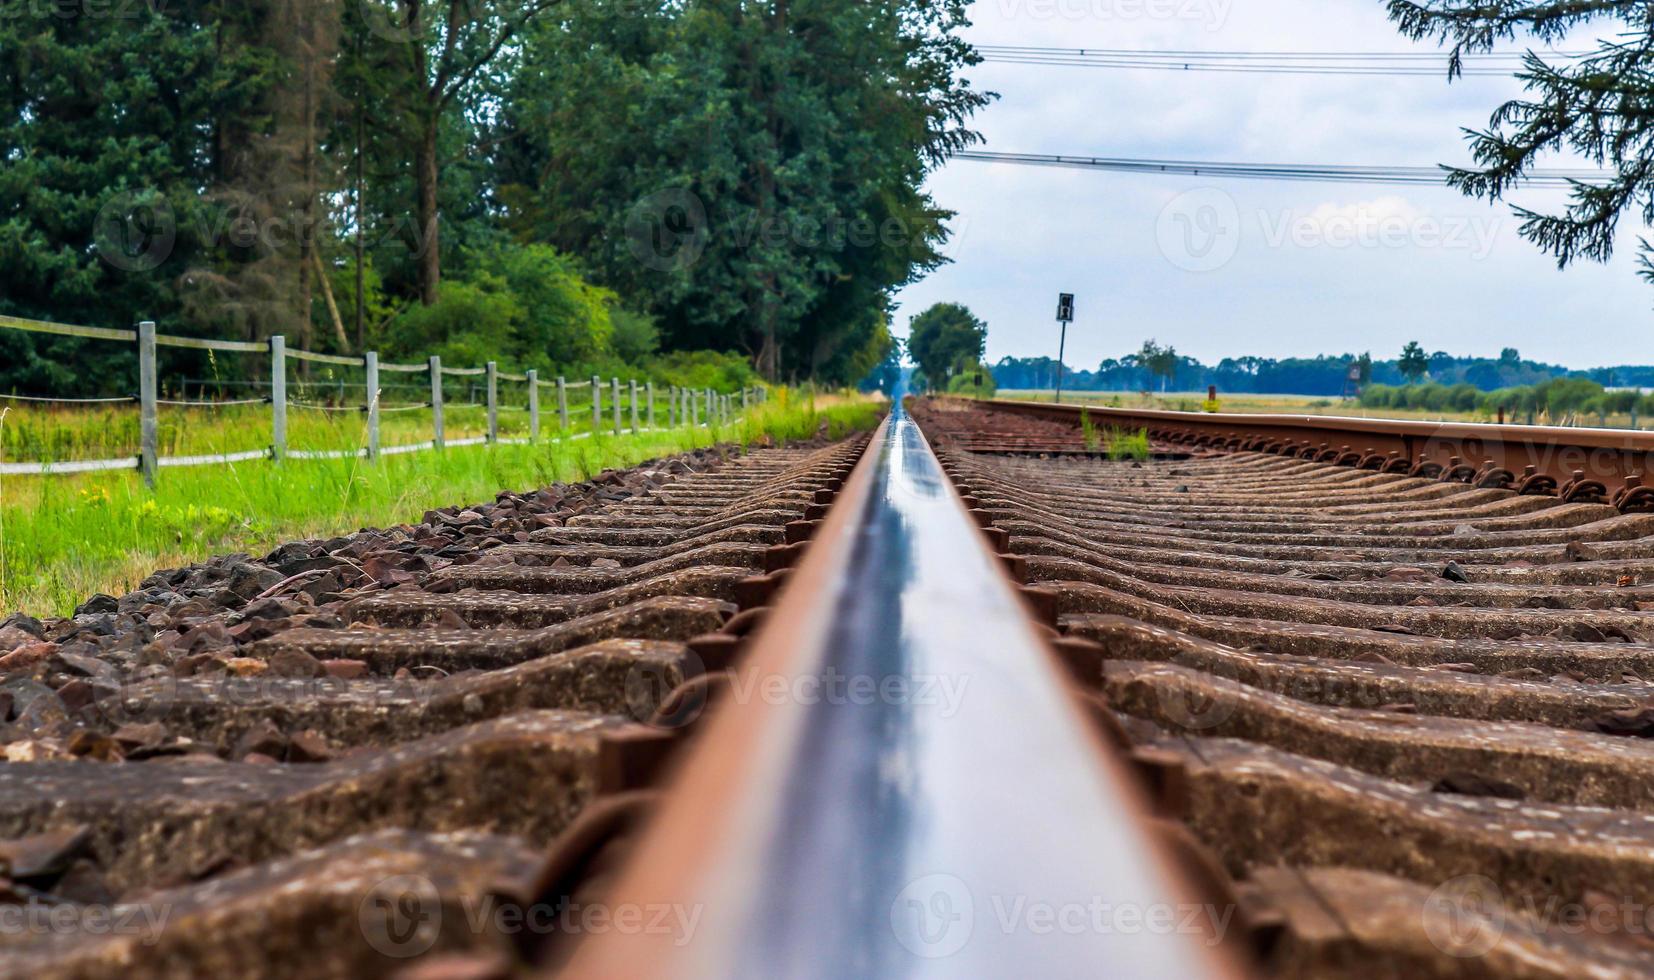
x=1065 y=315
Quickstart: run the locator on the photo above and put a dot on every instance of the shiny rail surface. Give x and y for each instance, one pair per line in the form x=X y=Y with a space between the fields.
x=888 y=835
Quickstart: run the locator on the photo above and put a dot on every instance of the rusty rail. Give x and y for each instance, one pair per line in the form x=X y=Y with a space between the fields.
x=904 y=828
x=1580 y=465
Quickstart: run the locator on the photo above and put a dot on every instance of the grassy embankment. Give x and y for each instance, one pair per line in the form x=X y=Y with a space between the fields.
x=63 y=538
x=1192 y=401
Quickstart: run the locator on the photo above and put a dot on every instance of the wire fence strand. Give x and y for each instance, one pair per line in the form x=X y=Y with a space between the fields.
x=70 y=401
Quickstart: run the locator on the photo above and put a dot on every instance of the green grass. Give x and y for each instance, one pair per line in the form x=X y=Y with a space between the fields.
x=1128 y=445
x=1088 y=429
x=63 y=538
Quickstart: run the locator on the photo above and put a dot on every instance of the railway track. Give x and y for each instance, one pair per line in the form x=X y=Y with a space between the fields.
x=866 y=709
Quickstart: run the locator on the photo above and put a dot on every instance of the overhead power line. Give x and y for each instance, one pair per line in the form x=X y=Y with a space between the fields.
x=1399 y=63
x=1339 y=173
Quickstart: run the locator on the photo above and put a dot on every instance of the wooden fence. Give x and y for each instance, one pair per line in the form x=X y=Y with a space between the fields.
x=684 y=406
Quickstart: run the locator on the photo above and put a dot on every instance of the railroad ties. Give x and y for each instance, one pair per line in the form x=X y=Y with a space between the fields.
x=381 y=777
x=1408 y=717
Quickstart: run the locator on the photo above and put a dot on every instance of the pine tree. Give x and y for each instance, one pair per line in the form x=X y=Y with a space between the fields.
x=1596 y=106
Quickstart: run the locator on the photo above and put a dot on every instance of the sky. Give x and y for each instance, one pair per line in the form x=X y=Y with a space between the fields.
x=1221 y=268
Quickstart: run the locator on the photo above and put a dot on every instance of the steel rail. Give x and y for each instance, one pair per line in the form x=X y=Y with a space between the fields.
x=1558 y=454
x=897 y=772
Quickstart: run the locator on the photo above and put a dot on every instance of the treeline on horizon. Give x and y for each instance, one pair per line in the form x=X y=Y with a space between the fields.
x=1324 y=375
x=566 y=185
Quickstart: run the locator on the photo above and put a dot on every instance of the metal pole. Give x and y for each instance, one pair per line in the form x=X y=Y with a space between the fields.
x=562 y=403
x=649 y=390
x=614 y=400
x=597 y=404
x=278 y=397
x=371 y=361
x=493 y=403
x=1062 y=345
x=147 y=424
x=438 y=437
x=533 y=405
x=633 y=383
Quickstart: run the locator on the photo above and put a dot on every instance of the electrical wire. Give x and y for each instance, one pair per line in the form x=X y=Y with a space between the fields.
x=1394 y=64
x=1336 y=173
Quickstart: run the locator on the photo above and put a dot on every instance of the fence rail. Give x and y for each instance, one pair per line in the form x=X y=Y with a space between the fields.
x=685 y=407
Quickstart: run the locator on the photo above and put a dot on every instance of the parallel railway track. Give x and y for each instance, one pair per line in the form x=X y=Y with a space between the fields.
x=1251 y=707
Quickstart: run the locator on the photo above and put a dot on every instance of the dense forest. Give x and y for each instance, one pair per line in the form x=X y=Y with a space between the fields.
x=558 y=185
x=1325 y=374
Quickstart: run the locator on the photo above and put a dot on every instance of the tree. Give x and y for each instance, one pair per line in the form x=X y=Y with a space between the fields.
x=1364 y=367
x=1413 y=362
x=1160 y=362
x=751 y=170
x=444 y=50
x=942 y=336
x=1595 y=106
x=110 y=126
x=1510 y=357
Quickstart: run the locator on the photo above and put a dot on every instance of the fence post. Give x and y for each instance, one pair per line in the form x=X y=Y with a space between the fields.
x=533 y=405
x=743 y=399
x=711 y=408
x=671 y=406
x=597 y=405
x=649 y=410
x=371 y=362
x=438 y=437
x=493 y=403
x=633 y=383
x=562 y=404
x=614 y=396
x=278 y=397
x=147 y=424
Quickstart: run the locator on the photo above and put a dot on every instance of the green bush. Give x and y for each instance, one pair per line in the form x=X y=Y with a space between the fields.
x=965 y=382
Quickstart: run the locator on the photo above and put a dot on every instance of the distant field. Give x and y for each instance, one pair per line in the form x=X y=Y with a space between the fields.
x=1192 y=401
